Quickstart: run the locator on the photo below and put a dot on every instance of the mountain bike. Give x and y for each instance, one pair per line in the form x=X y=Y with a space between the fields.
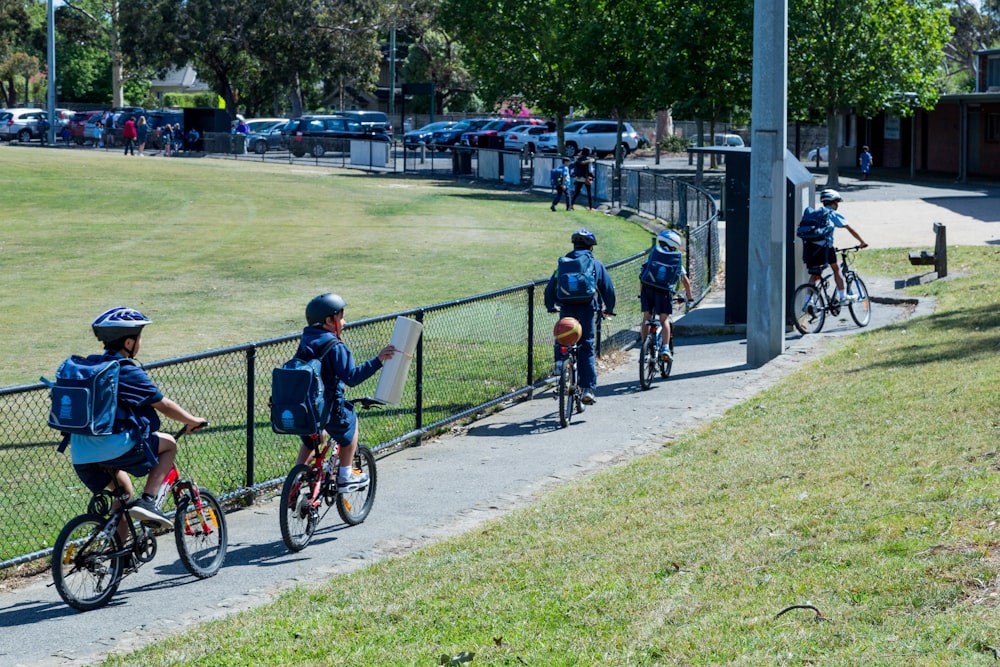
x=650 y=359
x=811 y=302
x=310 y=490
x=90 y=557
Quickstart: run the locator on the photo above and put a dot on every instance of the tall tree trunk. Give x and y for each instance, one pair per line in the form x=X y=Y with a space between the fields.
x=117 y=92
x=832 y=177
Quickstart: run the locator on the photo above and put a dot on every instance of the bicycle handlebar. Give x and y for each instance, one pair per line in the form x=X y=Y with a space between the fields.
x=184 y=430
x=851 y=249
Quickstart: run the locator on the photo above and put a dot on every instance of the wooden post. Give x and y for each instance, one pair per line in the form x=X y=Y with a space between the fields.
x=940 y=250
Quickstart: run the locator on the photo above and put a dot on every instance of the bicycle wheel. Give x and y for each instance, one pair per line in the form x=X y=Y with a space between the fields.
x=647 y=361
x=567 y=390
x=667 y=366
x=202 y=536
x=861 y=309
x=298 y=521
x=83 y=569
x=354 y=507
x=808 y=311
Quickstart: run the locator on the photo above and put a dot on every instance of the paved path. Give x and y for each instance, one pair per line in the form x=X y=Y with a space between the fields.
x=444 y=487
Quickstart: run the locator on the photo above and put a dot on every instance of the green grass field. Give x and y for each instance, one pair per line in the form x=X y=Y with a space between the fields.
x=220 y=252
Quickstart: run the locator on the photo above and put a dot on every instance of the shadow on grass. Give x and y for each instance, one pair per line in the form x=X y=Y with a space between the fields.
x=954 y=348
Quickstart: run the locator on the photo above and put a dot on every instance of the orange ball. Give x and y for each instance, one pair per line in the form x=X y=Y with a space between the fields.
x=567 y=331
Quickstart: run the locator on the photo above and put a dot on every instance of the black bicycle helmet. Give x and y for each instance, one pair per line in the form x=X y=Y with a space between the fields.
x=583 y=238
x=322 y=307
x=117 y=323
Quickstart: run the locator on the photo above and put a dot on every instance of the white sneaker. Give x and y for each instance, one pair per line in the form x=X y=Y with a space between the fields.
x=355 y=481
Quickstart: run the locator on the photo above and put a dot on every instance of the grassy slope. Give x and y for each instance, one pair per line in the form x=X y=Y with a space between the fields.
x=864 y=485
x=224 y=252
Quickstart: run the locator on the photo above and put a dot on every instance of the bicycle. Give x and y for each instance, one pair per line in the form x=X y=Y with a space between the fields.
x=650 y=359
x=89 y=559
x=570 y=393
x=310 y=486
x=811 y=303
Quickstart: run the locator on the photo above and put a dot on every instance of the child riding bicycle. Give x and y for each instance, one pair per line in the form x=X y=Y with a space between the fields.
x=325 y=322
x=135 y=445
x=818 y=254
x=658 y=277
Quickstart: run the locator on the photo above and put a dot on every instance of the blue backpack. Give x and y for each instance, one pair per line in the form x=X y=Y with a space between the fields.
x=816 y=225
x=85 y=396
x=557 y=177
x=298 y=403
x=662 y=268
x=576 y=279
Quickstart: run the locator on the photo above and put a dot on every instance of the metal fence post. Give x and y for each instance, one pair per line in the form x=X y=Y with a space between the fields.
x=418 y=404
x=251 y=418
x=531 y=337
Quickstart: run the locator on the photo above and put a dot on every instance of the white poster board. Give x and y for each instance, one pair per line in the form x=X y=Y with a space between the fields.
x=391 y=381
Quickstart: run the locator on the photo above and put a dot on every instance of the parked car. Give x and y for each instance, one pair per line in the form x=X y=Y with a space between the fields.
x=598 y=135
x=156 y=120
x=492 y=129
x=370 y=120
x=22 y=124
x=733 y=140
x=78 y=123
x=313 y=134
x=413 y=139
x=523 y=137
x=450 y=136
x=265 y=134
x=823 y=151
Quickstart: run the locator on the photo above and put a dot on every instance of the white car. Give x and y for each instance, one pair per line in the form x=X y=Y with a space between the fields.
x=598 y=135
x=21 y=124
x=732 y=140
x=824 y=154
x=523 y=137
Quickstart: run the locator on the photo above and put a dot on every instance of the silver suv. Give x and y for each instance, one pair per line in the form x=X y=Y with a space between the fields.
x=22 y=124
x=598 y=135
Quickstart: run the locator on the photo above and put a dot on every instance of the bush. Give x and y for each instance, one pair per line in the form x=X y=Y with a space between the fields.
x=674 y=144
x=190 y=100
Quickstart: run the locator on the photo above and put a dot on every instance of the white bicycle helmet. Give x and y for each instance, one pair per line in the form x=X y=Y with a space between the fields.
x=669 y=239
x=829 y=195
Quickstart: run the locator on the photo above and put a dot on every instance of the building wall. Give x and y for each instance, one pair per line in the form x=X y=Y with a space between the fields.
x=942 y=138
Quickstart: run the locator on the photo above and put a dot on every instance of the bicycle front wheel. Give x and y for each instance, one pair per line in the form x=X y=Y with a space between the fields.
x=354 y=507
x=861 y=307
x=298 y=521
x=567 y=390
x=84 y=571
x=201 y=535
x=647 y=361
x=808 y=311
x=667 y=366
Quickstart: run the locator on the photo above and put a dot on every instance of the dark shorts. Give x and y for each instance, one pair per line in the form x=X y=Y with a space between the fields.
x=136 y=462
x=818 y=257
x=341 y=429
x=653 y=300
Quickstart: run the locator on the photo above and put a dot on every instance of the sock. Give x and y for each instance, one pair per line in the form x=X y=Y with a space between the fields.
x=840 y=294
x=345 y=471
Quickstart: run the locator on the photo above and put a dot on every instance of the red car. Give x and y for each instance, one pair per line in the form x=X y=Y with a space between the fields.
x=482 y=137
x=78 y=122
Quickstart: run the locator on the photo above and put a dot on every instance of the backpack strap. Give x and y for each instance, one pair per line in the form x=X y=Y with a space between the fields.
x=327 y=346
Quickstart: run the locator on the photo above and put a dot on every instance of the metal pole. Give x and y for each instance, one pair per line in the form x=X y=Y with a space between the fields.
x=51 y=112
x=766 y=261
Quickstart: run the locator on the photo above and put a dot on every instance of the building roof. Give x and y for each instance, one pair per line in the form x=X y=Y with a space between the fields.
x=179 y=80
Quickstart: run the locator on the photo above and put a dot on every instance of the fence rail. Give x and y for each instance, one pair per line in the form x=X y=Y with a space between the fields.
x=460 y=369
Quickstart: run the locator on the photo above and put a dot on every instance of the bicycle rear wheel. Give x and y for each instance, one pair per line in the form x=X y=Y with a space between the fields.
x=354 y=507
x=202 y=536
x=861 y=307
x=808 y=311
x=567 y=390
x=298 y=521
x=83 y=569
x=647 y=361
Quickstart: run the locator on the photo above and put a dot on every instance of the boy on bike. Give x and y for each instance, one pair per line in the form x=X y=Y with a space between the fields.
x=325 y=320
x=657 y=291
x=818 y=254
x=135 y=446
x=583 y=309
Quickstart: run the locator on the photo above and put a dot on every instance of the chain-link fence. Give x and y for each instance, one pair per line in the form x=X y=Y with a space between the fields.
x=474 y=353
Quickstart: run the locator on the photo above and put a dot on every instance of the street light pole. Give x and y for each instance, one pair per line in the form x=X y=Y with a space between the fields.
x=51 y=111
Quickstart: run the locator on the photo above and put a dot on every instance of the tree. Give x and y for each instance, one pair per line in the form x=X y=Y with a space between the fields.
x=15 y=24
x=103 y=16
x=850 y=53
x=437 y=57
x=973 y=31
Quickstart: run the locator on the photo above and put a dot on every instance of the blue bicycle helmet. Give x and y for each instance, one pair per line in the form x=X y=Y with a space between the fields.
x=322 y=307
x=669 y=239
x=119 y=322
x=584 y=238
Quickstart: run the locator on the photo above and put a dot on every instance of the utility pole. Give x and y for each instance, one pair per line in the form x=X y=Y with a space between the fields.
x=51 y=105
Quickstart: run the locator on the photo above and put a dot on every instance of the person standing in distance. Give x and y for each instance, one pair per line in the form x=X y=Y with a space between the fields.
x=325 y=322
x=865 y=162
x=818 y=254
x=603 y=301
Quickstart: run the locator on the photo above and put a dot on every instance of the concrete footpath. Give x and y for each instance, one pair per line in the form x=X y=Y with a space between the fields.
x=440 y=489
